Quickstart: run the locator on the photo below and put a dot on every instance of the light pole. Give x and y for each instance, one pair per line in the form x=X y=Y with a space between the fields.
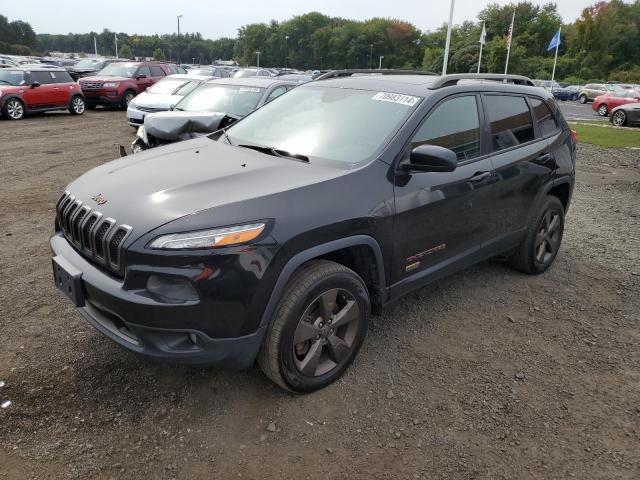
x=380 y=63
x=446 y=45
x=179 y=17
x=371 y=57
x=258 y=54
x=286 y=55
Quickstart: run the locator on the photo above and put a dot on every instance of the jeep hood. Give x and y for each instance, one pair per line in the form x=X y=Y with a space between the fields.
x=177 y=125
x=157 y=186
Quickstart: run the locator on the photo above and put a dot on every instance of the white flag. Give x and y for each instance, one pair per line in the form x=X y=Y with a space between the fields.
x=483 y=35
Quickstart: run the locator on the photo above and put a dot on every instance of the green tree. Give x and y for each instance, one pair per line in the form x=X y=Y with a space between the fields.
x=158 y=54
x=125 y=51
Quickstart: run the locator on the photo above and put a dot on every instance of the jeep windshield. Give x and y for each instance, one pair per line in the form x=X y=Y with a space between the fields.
x=11 y=77
x=337 y=124
x=118 y=70
x=233 y=100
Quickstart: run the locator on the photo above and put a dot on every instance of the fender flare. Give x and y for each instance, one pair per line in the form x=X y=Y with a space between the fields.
x=74 y=95
x=304 y=256
x=546 y=188
x=4 y=99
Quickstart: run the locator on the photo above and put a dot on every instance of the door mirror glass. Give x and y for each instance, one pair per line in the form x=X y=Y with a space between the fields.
x=432 y=158
x=35 y=84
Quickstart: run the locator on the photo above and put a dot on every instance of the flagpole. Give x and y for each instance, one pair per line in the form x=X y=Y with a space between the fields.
x=446 y=45
x=506 y=66
x=553 y=72
x=95 y=45
x=116 y=37
x=482 y=40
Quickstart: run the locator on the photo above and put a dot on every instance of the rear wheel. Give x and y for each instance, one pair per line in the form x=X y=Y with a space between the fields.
x=539 y=248
x=582 y=99
x=619 y=118
x=77 y=105
x=317 y=329
x=603 y=110
x=13 y=109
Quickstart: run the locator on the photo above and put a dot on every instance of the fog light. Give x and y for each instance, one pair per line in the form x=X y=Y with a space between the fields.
x=171 y=289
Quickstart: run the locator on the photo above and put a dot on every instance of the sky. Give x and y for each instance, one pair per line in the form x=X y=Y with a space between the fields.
x=216 y=19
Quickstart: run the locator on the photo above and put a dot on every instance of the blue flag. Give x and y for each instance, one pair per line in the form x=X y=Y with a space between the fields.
x=555 y=41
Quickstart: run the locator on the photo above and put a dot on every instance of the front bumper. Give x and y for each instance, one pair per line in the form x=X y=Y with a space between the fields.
x=128 y=318
x=135 y=117
x=102 y=97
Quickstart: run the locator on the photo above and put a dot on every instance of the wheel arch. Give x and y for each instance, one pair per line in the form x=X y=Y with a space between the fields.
x=74 y=95
x=361 y=253
x=5 y=99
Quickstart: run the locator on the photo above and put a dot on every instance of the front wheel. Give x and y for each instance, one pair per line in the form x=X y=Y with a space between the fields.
x=317 y=329
x=13 y=109
x=619 y=118
x=540 y=246
x=603 y=110
x=582 y=99
x=126 y=99
x=77 y=105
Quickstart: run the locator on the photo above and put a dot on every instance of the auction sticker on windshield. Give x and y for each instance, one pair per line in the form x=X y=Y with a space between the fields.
x=396 y=98
x=249 y=89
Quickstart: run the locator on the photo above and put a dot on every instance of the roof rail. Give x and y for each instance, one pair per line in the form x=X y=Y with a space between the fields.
x=384 y=71
x=449 y=80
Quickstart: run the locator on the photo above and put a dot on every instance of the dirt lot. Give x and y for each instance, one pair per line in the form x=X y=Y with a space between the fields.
x=488 y=374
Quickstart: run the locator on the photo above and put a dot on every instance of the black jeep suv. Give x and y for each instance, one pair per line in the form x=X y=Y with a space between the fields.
x=276 y=238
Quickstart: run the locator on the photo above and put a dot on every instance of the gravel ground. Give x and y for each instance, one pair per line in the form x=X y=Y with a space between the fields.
x=487 y=374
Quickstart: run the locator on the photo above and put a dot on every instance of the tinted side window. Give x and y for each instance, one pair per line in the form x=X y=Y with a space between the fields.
x=156 y=71
x=43 y=78
x=454 y=125
x=545 y=118
x=510 y=121
x=144 y=71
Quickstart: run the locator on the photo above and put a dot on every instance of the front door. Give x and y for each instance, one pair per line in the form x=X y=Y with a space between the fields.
x=442 y=219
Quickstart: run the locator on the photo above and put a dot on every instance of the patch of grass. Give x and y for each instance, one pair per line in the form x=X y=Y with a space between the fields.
x=606 y=136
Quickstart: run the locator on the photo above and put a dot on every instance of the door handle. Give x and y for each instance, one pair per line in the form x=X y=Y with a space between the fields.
x=479 y=176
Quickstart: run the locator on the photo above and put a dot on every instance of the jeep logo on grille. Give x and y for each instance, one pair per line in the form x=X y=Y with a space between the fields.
x=99 y=199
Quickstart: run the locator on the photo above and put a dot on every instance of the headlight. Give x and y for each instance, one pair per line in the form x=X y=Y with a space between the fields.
x=111 y=84
x=217 y=237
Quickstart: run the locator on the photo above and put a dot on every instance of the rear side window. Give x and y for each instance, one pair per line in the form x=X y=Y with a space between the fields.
x=546 y=120
x=454 y=125
x=509 y=120
x=43 y=78
x=144 y=71
x=156 y=71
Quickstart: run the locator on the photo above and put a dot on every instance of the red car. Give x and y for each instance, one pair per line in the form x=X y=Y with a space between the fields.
x=30 y=89
x=118 y=83
x=603 y=104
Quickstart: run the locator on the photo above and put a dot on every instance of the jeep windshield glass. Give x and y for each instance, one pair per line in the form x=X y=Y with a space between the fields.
x=173 y=86
x=327 y=123
x=118 y=70
x=230 y=99
x=11 y=77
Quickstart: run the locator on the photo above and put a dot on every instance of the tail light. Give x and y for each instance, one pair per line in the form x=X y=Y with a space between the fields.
x=574 y=136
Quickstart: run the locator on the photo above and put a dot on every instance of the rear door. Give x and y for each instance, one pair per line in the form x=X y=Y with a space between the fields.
x=62 y=87
x=522 y=158
x=442 y=219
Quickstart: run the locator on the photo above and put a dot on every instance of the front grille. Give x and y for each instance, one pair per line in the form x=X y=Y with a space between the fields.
x=90 y=85
x=96 y=237
x=150 y=109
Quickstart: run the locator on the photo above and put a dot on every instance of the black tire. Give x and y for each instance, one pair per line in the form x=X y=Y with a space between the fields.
x=619 y=118
x=77 y=105
x=583 y=99
x=13 y=109
x=126 y=98
x=304 y=299
x=603 y=110
x=540 y=246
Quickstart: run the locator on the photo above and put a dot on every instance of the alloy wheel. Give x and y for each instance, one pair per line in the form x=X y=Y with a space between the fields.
x=583 y=99
x=15 y=109
x=602 y=110
x=326 y=333
x=548 y=237
x=78 y=105
x=619 y=118
x=128 y=97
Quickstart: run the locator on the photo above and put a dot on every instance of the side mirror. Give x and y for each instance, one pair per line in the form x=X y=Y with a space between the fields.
x=35 y=84
x=431 y=158
x=140 y=77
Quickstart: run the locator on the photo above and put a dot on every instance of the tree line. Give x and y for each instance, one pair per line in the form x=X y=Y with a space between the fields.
x=603 y=43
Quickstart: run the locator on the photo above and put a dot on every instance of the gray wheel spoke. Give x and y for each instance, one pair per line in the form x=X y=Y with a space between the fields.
x=539 y=238
x=305 y=331
x=347 y=314
x=310 y=363
x=337 y=348
x=547 y=220
x=552 y=245
x=328 y=303
x=555 y=223
x=541 y=250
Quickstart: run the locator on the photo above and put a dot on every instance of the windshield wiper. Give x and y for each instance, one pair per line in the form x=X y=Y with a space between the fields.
x=277 y=153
